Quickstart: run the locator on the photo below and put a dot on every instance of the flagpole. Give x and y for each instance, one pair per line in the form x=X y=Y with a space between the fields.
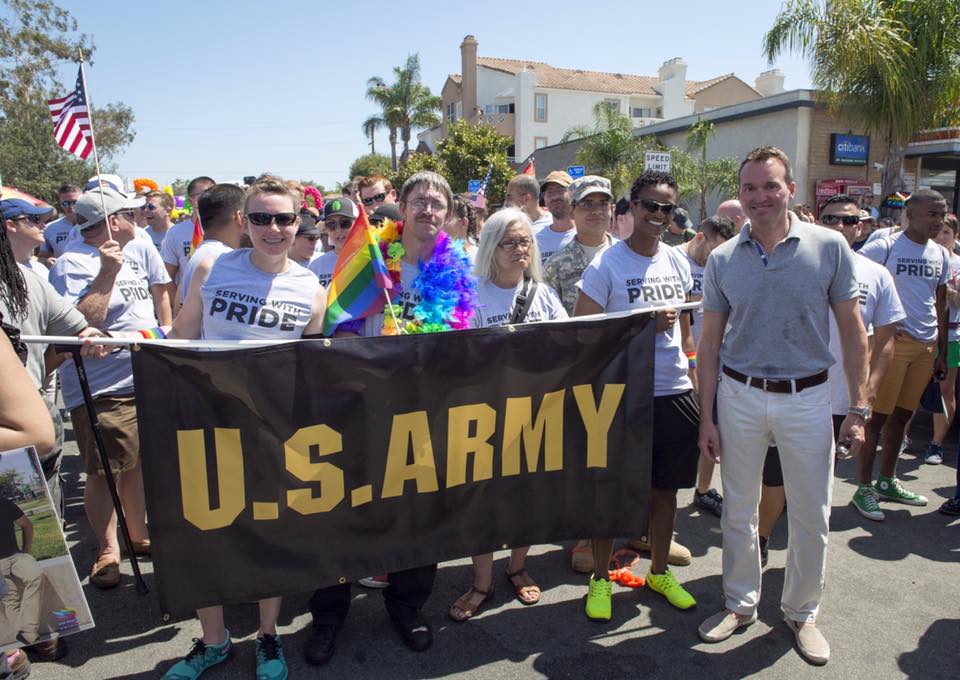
x=93 y=134
x=396 y=324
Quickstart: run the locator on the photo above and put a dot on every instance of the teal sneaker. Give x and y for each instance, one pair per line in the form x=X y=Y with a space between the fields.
x=599 y=605
x=199 y=659
x=271 y=664
x=667 y=585
x=890 y=489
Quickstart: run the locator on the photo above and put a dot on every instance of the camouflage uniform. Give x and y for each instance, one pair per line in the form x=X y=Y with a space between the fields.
x=565 y=268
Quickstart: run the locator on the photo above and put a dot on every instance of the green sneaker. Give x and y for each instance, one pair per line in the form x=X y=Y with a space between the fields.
x=890 y=489
x=865 y=501
x=667 y=585
x=599 y=602
x=271 y=664
x=198 y=659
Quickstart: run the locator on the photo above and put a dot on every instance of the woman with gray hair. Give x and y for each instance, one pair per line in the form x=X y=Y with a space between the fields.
x=510 y=291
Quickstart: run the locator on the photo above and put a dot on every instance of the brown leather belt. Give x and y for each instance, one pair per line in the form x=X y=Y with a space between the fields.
x=781 y=386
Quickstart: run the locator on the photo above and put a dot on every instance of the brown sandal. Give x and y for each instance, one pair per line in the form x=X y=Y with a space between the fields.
x=464 y=608
x=105 y=573
x=521 y=590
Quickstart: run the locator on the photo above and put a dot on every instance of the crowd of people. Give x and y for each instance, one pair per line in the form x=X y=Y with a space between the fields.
x=858 y=322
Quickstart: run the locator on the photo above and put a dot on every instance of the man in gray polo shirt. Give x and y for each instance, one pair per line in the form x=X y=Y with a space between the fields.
x=775 y=285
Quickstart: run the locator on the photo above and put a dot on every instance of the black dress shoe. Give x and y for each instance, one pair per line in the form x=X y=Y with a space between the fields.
x=321 y=644
x=415 y=632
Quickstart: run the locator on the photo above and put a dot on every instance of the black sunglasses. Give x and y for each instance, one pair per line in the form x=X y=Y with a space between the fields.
x=30 y=218
x=263 y=219
x=848 y=220
x=148 y=206
x=373 y=199
x=338 y=224
x=654 y=206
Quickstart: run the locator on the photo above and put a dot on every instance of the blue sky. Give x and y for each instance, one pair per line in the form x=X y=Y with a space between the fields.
x=227 y=91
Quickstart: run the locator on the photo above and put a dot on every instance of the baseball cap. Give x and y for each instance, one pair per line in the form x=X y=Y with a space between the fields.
x=865 y=215
x=682 y=219
x=89 y=208
x=341 y=205
x=589 y=184
x=16 y=207
x=308 y=225
x=387 y=211
x=557 y=177
x=113 y=181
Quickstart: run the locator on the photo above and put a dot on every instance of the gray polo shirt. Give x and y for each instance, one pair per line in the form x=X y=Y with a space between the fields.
x=779 y=303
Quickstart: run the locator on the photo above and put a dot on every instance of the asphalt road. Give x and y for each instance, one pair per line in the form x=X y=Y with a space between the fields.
x=890 y=610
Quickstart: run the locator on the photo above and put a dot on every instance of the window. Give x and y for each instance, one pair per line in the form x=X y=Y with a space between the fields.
x=539 y=142
x=451 y=112
x=642 y=112
x=540 y=108
x=459 y=113
x=488 y=109
x=614 y=104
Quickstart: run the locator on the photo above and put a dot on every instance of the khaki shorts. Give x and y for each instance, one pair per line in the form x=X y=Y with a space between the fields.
x=121 y=437
x=910 y=370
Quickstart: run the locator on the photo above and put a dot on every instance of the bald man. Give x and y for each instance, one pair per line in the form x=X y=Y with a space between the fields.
x=733 y=211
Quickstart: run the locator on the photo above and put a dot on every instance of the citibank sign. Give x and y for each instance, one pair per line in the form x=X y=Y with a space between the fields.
x=849 y=149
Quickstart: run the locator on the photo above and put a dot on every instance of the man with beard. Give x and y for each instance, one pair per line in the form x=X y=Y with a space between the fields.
x=561 y=231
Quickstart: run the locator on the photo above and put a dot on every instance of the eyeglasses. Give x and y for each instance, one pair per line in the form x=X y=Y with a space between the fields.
x=264 y=219
x=832 y=220
x=148 y=206
x=421 y=204
x=654 y=206
x=374 y=199
x=593 y=205
x=66 y=203
x=522 y=244
x=126 y=213
x=30 y=218
x=338 y=224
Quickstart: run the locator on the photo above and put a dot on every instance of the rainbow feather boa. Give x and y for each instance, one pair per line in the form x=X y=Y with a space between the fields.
x=448 y=289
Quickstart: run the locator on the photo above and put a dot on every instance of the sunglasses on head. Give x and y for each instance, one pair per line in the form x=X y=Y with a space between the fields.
x=848 y=220
x=655 y=206
x=263 y=219
x=373 y=199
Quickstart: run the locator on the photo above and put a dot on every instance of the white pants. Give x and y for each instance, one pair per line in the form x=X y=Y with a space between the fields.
x=802 y=427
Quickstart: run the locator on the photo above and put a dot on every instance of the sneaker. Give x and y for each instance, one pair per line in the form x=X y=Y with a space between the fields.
x=723 y=624
x=667 y=585
x=764 y=553
x=711 y=501
x=381 y=581
x=905 y=445
x=271 y=665
x=810 y=642
x=951 y=507
x=890 y=489
x=599 y=602
x=865 y=501
x=199 y=659
x=934 y=454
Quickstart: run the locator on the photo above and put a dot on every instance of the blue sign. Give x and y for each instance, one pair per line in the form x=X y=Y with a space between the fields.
x=473 y=186
x=849 y=149
x=575 y=171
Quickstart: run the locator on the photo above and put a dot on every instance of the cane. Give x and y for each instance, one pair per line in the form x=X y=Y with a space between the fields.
x=74 y=350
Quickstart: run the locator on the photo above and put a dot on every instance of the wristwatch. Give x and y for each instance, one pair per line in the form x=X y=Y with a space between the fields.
x=863 y=411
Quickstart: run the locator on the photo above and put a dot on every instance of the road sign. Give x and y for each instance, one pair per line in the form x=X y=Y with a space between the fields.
x=575 y=171
x=659 y=161
x=473 y=186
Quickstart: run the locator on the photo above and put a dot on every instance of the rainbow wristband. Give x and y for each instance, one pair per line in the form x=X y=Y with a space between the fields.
x=153 y=334
x=692 y=359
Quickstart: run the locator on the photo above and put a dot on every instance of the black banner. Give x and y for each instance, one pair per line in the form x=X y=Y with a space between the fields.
x=277 y=470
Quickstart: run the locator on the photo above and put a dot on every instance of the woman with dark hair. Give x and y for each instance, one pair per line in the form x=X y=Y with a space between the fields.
x=462 y=224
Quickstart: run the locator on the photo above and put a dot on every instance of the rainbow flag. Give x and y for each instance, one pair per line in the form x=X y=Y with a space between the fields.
x=359 y=278
x=197 y=237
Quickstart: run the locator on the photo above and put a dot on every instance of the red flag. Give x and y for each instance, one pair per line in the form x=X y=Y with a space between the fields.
x=197 y=237
x=529 y=170
x=71 y=121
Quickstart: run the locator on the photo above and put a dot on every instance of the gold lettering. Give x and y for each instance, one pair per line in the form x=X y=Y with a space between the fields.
x=517 y=426
x=460 y=443
x=194 y=489
x=298 y=463
x=596 y=420
x=410 y=431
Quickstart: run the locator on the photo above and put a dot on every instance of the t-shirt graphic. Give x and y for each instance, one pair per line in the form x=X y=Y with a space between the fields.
x=550 y=241
x=495 y=305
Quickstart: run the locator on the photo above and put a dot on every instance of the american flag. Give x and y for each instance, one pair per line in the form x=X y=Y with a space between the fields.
x=71 y=122
x=481 y=200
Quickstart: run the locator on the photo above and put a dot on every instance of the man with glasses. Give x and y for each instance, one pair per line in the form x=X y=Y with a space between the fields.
x=175 y=249
x=157 y=209
x=118 y=283
x=557 y=199
x=304 y=249
x=523 y=192
x=339 y=214
x=58 y=233
x=375 y=190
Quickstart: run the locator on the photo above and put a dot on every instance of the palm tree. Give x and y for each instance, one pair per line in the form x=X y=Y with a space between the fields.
x=699 y=177
x=385 y=97
x=889 y=66
x=370 y=127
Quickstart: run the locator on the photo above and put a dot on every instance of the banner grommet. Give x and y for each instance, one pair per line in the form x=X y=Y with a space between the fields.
x=512 y=329
x=326 y=342
x=342 y=580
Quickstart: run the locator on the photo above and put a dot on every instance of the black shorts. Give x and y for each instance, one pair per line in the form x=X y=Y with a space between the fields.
x=676 y=429
x=773 y=473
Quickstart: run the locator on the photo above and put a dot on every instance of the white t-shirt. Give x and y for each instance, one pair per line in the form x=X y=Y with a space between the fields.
x=56 y=235
x=155 y=238
x=918 y=269
x=696 y=272
x=175 y=249
x=408 y=299
x=33 y=264
x=130 y=308
x=543 y=223
x=619 y=279
x=323 y=267
x=953 y=332
x=495 y=305
x=879 y=306
x=550 y=241
x=879 y=234
x=204 y=251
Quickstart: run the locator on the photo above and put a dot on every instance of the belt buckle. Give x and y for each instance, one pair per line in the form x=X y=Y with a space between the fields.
x=765 y=381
